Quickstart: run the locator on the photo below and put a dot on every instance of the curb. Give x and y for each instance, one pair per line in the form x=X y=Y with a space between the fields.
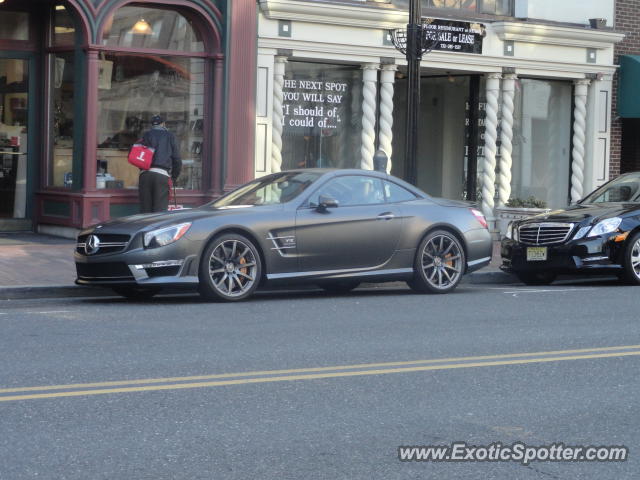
x=76 y=291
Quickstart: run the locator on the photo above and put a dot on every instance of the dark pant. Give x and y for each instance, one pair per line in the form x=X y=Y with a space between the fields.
x=153 y=190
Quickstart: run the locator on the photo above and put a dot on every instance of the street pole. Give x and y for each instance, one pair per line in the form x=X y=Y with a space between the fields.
x=413 y=42
x=414 y=56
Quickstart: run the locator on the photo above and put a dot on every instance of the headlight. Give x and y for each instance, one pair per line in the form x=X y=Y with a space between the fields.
x=165 y=236
x=582 y=232
x=512 y=232
x=605 y=226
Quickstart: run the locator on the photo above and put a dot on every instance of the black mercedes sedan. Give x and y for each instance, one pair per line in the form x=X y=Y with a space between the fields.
x=598 y=235
x=333 y=228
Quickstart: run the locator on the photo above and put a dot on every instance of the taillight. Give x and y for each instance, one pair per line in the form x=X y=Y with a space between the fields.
x=480 y=217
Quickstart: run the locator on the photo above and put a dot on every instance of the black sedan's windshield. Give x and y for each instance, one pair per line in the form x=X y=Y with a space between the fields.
x=269 y=190
x=625 y=188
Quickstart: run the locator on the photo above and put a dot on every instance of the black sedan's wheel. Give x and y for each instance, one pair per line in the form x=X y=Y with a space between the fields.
x=230 y=269
x=439 y=263
x=339 y=286
x=538 y=278
x=631 y=260
x=136 y=293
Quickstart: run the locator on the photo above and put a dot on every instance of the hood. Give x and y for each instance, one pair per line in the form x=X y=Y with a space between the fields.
x=587 y=213
x=151 y=221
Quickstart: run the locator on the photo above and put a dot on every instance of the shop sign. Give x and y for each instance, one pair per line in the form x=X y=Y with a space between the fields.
x=454 y=36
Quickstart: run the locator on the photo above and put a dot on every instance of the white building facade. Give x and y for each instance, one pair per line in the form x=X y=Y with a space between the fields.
x=515 y=96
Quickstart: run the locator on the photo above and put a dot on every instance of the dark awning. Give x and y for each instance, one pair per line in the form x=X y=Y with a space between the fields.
x=629 y=87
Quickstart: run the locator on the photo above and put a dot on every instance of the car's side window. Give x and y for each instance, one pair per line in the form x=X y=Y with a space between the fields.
x=351 y=190
x=395 y=193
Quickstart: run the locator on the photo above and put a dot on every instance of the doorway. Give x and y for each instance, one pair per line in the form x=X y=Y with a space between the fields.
x=14 y=104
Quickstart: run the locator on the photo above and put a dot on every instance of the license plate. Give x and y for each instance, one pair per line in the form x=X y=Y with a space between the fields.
x=536 y=254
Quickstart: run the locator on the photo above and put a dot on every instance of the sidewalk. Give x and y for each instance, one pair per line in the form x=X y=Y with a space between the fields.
x=41 y=266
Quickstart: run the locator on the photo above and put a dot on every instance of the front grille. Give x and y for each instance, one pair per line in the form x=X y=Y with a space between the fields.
x=109 y=243
x=544 y=233
x=104 y=271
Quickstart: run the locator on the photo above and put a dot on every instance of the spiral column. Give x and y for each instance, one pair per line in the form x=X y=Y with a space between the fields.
x=387 y=79
x=490 y=147
x=369 y=90
x=506 y=137
x=579 y=128
x=277 y=120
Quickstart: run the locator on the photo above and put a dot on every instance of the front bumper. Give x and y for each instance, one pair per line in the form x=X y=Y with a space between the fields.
x=171 y=265
x=598 y=255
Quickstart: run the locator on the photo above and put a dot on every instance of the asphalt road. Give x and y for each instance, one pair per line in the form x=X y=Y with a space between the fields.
x=313 y=386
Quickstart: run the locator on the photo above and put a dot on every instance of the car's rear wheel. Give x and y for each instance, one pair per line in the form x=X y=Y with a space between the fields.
x=439 y=263
x=536 y=278
x=339 y=287
x=137 y=293
x=631 y=260
x=230 y=269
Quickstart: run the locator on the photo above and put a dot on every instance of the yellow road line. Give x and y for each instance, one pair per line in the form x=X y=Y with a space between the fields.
x=301 y=370
x=181 y=386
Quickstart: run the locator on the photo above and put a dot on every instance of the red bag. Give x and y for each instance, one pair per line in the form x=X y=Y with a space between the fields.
x=141 y=156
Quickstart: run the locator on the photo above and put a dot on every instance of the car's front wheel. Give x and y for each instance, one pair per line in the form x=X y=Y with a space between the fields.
x=537 y=278
x=631 y=260
x=230 y=269
x=439 y=263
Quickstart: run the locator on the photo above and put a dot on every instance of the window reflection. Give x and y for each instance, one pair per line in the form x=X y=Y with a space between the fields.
x=142 y=27
x=62 y=113
x=493 y=7
x=132 y=89
x=63 y=27
x=322 y=116
x=541 y=142
x=14 y=25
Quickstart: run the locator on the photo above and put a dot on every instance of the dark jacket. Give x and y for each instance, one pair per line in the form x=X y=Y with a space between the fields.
x=167 y=153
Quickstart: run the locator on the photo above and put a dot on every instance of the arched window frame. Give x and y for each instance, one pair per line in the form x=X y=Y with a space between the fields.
x=212 y=54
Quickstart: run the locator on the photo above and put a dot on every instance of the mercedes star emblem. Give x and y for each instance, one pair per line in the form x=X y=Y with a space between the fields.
x=92 y=245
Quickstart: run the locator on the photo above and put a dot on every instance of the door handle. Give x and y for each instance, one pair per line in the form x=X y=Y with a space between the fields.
x=386 y=216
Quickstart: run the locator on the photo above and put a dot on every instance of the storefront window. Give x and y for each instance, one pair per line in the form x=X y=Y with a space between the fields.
x=322 y=116
x=132 y=89
x=141 y=27
x=14 y=26
x=62 y=113
x=541 y=142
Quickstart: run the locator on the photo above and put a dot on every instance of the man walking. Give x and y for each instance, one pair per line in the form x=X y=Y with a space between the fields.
x=153 y=184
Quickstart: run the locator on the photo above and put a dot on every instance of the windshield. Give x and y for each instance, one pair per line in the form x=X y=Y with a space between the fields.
x=625 y=188
x=270 y=190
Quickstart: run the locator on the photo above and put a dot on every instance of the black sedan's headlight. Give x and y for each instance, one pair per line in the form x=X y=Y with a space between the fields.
x=512 y=232
x=165 y=236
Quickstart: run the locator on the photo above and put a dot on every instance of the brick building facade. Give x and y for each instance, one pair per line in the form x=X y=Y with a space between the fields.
x=625 y=141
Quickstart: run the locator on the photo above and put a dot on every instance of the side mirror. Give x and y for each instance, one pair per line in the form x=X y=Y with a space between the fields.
x=325 y=202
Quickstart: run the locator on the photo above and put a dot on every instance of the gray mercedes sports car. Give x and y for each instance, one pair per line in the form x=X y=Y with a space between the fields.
x=334 y=228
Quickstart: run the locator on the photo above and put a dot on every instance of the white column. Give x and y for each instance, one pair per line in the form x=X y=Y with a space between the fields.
x=278 y=114
x=579 y=128
x=387 y=79
x=506 y=136
x=369 y=80
x=490 y=147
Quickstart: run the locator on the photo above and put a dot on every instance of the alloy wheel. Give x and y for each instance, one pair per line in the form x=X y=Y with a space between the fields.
x=233 y=268
x=442 y=261
x=635 y=257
